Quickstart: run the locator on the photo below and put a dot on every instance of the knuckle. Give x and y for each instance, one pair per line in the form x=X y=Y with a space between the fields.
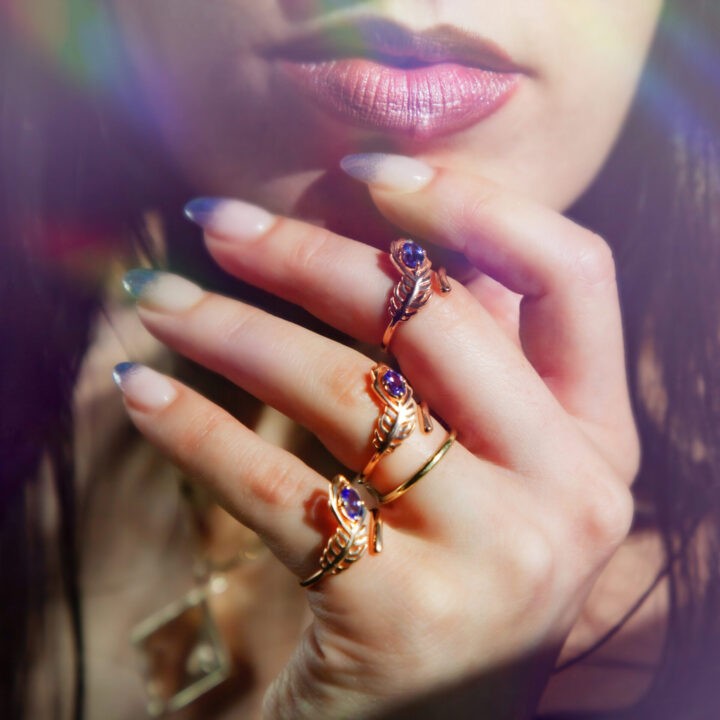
x=346 y=383
x=235 y=329
x=272 y=483
x=457 y=315
x=205 y=427
x=631 y=455
x=477 y=205
x=624 y=449
x=531 y=561
x=433 y=607
x=593 y=261
x=307 y=253
x=607 y=515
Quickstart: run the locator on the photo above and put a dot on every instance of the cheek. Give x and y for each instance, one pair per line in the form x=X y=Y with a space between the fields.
x=231 y=132
x=571 y=128
x=214 y=102
x=196 y=68
x=586 y=90
x=552 y=139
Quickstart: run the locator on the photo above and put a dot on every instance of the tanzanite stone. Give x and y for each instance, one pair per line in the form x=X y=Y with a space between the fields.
x=412 y=254
x=394 y=383
x=352 y=504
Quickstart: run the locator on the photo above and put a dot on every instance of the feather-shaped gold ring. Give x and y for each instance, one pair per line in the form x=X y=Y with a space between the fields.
x=415 y=286
x=359 y=529
x=399 y=416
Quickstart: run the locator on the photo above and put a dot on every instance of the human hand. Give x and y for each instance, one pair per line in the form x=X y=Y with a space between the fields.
x=488 y=560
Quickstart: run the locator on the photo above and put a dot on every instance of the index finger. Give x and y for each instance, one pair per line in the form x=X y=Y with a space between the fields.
x=570 y=323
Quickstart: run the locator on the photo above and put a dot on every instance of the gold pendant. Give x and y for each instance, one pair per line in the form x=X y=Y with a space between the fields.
x=181 y=650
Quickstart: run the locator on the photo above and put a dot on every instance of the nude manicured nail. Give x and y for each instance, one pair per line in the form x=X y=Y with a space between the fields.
x=143 y=387
x=229 y=219
x=397 y=173
x=161 y=290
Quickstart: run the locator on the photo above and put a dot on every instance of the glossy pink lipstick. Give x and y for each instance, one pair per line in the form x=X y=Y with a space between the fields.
x=420 y=102
x=380 y=76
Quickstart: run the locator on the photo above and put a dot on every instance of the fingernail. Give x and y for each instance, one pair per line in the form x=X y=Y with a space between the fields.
x=397 y=173
x=143 y=387
x=161 y=290
x=229 y=219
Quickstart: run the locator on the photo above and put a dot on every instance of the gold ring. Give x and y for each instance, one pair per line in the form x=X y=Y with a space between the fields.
x=358 y=529
x=398 y=418
x=414 y=288
x=419 y=475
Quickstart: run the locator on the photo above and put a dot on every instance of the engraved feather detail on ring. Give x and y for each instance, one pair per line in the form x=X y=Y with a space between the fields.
x=351 y=539
x=416 y=284
x=399 y=415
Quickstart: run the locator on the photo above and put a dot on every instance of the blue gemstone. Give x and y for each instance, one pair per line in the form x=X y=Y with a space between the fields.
x=412 y=254
x=352 y=504
x=394 y=383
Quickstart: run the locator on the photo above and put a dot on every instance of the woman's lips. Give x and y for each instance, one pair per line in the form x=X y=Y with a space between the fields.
x=421 y=101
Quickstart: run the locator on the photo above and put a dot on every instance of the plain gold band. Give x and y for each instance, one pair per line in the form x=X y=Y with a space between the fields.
x=420 y=474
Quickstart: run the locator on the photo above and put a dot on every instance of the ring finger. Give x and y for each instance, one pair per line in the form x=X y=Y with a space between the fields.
x=321 y=384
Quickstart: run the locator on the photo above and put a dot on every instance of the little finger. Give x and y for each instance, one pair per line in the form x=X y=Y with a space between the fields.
x=267 y=489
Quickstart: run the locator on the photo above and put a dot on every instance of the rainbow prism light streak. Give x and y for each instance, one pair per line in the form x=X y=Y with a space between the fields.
x=80 y=39
x=77 y=37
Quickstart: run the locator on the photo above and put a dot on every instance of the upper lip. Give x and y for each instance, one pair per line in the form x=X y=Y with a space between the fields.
x=394 y=44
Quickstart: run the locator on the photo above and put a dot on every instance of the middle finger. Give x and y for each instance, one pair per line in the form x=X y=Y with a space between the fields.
x=321 y=384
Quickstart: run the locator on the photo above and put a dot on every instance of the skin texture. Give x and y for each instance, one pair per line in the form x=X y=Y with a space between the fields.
x=525 y=525
x=224 y=116
x=533 y=500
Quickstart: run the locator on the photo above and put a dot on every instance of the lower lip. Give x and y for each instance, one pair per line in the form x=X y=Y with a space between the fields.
x=421 y=102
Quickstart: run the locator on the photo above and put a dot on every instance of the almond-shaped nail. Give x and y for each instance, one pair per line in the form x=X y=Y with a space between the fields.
x=229 y=219
x=396 y=173
x=161 y=291
x=143 y=387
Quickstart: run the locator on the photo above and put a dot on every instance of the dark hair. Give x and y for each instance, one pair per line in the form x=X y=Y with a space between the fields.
x=657 y=202
x=75 y=183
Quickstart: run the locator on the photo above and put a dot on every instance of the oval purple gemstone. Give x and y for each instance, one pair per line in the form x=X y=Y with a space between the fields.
x=412 y=254
x=394 y=383
x=352 y=504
